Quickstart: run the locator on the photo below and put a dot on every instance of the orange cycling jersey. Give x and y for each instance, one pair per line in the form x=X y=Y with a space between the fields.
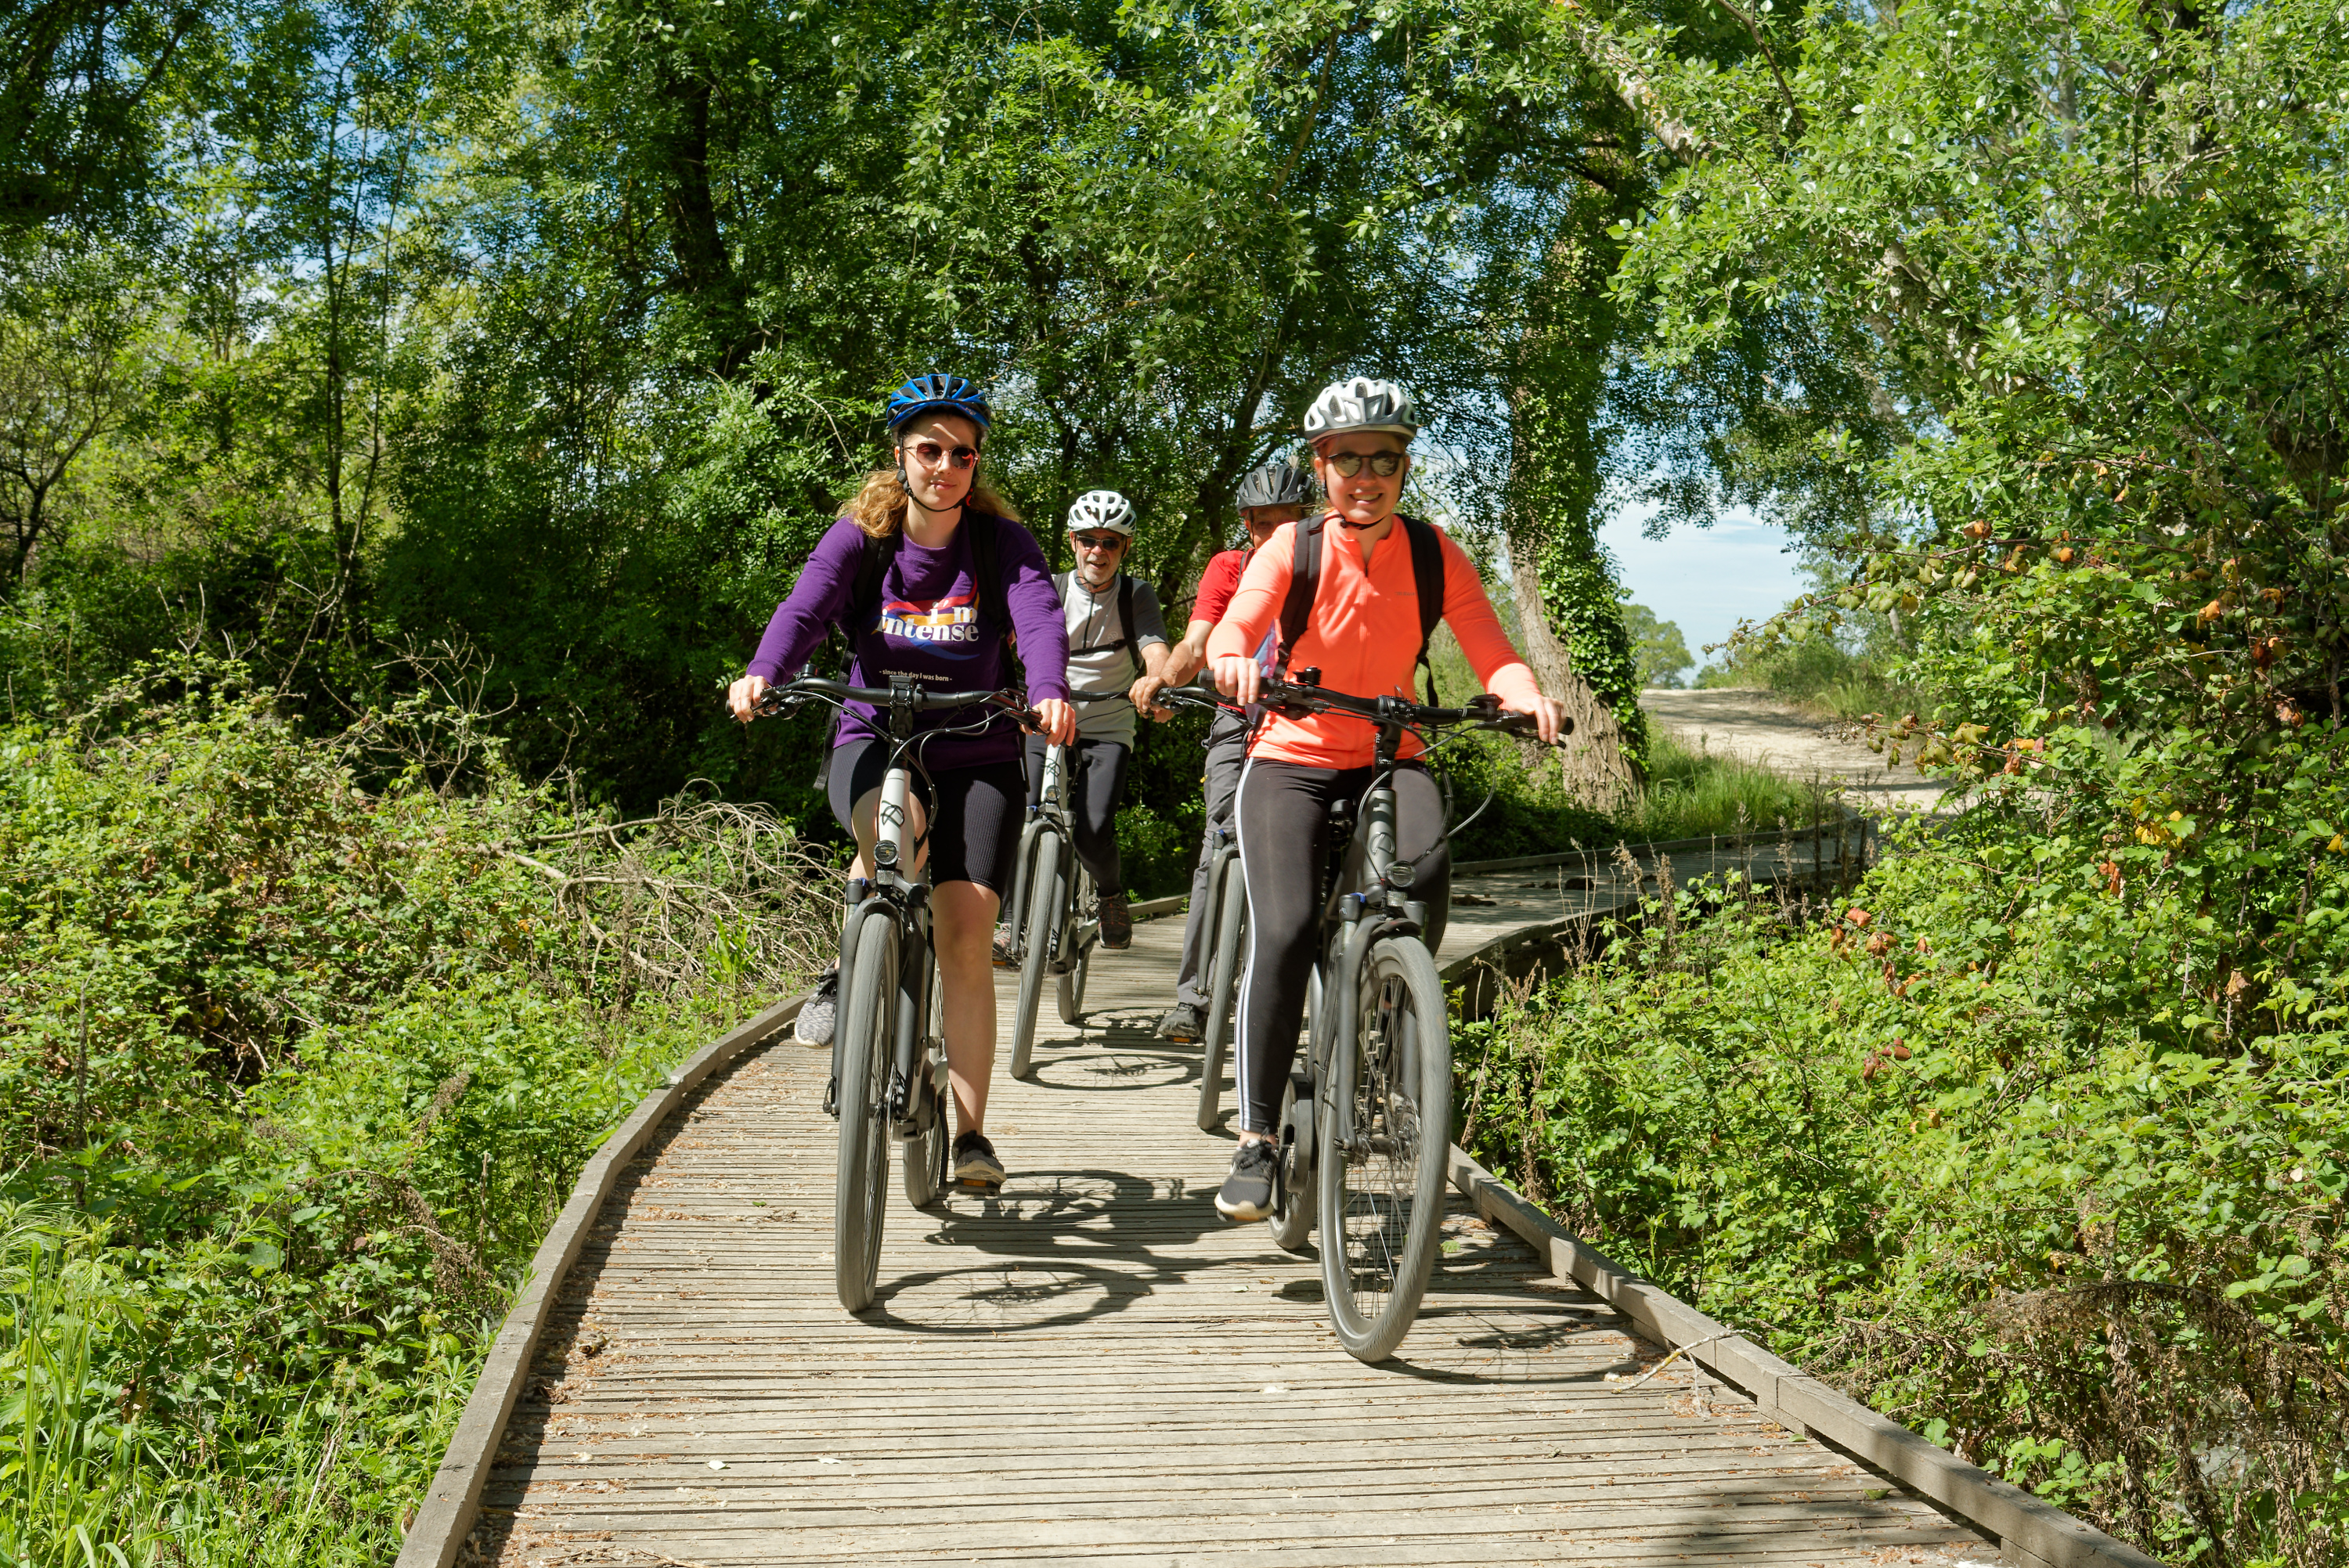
x=1363 y=636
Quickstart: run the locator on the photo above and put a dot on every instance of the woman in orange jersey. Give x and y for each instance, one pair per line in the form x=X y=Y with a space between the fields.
x=1364 y=635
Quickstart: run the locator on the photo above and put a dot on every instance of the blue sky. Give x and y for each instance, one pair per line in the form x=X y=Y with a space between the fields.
x=1706 y=579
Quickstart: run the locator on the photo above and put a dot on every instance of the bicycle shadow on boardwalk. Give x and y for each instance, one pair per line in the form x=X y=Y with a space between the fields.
x=1068 y=1245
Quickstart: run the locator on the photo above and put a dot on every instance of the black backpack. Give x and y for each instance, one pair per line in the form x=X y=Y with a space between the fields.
x=1305 y=583
x=1124 y=612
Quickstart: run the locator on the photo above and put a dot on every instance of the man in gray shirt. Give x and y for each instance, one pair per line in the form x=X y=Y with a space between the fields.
x=1117 y=639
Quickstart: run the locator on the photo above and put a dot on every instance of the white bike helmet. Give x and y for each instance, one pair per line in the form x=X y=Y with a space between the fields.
x=1360 y=404
x=1103 y=510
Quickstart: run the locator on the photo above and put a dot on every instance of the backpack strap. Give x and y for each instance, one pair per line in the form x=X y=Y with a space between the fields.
x=1427 y=577
x=1304 y=583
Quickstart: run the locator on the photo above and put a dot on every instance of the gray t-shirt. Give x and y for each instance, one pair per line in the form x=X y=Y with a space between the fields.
x=1098 y=681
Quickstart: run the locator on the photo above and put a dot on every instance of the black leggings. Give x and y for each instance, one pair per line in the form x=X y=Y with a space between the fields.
x=1284 y=823
x=1092 y=804
x=974 y=823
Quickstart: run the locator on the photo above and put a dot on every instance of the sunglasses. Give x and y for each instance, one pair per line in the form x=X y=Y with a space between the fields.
x=1097 y=541
x=1349 y=464
x=932 y=454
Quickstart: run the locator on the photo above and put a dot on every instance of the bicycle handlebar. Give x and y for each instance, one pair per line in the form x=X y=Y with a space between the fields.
x=918 y=698
x=1400 y=712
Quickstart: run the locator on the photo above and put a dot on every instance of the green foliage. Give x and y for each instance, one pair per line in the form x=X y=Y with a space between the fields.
x=1899 y=1139
x=1659 y=646
x=297 y=1072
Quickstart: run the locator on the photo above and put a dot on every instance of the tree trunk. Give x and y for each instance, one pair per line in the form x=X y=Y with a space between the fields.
x=1565 y=591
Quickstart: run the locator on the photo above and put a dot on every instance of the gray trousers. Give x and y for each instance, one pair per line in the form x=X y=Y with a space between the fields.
x=1227 y=750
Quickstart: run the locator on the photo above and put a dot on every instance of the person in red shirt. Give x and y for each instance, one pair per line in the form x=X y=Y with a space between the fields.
x=1274 y=494
x=1363 y=636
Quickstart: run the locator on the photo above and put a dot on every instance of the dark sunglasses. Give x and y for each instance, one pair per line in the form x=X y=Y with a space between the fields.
x=1097 y=541
x=1349 y=464
x=932 y=454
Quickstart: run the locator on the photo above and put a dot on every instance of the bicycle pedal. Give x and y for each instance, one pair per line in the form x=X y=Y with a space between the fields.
x=968 y=1185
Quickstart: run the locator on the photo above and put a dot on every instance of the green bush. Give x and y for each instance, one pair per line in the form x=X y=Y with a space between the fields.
x=297 y=1070
x=1898 y=1139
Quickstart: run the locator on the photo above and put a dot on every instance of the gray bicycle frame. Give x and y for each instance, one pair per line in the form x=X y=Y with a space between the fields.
x=906 y=902
x=1368 y=900
x=1052 y=810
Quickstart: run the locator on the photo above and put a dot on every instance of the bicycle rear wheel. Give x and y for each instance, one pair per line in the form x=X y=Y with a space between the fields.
x=922 y=1161
x=1229 y=905
x=868 y=1026
x=1045 y=893
x=1385 y=1137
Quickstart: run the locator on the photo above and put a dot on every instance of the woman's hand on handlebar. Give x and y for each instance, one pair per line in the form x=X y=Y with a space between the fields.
x=742 y=698
x=1057 y=721
x=1548 y=716
x=1239 y=677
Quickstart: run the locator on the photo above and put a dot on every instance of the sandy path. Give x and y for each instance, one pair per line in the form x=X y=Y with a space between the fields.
x=1758 y=728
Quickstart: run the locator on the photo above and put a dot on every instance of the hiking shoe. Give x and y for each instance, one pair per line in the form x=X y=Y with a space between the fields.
x=1116 y=924
x=1003 y=957
x=815 y=1019
x=975 y=1164
x=1247 y=1191
x=1182 y=1022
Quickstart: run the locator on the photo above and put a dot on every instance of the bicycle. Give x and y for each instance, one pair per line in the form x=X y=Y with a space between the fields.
x=888 y=1047
x=1366 y=1125
x=1053 y=893
x=1226 y=922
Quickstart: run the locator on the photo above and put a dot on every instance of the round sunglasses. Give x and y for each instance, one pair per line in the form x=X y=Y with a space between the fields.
x=932 y=454
x=1349 y=464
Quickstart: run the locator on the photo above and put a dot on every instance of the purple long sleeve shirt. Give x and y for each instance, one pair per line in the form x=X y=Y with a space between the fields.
x=930 y=627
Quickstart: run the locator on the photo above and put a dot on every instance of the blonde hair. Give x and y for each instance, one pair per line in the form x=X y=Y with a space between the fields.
x=879 y=508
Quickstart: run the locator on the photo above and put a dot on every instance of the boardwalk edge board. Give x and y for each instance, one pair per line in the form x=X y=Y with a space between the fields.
x=445 y=1517
x=1839 y=828
x=2032 y=1532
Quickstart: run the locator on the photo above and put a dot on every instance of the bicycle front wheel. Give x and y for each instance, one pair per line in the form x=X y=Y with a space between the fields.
x=1230 y=909
x=868 y=1027
x=1385 y=1136
x=922 y=1162
x=1045 y=893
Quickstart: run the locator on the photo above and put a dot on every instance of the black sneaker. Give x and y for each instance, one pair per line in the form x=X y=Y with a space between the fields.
x=815 y=1020
x=1247 y=1191
x=975 y=1164
x=1182 y=1022
x=1116 y=924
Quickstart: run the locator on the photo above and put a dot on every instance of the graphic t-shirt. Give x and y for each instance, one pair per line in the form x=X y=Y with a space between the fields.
x=929 y=624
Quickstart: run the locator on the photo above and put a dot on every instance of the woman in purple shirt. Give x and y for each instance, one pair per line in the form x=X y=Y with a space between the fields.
x=937 y=621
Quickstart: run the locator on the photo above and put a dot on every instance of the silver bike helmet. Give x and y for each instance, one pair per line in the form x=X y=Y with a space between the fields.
x=1104 y=510
x=1275 y=484
x=1360 y=404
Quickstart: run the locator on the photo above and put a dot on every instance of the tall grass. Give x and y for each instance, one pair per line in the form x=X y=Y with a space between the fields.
x=1703 y=794
x=69 y=1454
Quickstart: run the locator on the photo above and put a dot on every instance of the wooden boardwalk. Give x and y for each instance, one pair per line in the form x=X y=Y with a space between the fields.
x=1094 y=1366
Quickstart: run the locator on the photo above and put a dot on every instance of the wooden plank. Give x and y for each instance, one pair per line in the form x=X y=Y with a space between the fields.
x=445 y=1516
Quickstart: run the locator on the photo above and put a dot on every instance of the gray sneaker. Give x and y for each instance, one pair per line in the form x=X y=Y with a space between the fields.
x=1247 y=1191
x=1182 y=1022
x=975 y=1164
x=815 y=1019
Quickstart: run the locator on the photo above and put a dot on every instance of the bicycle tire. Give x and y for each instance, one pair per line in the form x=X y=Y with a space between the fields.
x=1381 y=1188
x=1229 y=906
x=1291 y=1221
x=922 y=1161
x=1044 y=895
x=868 y=1017
x=1072 y=997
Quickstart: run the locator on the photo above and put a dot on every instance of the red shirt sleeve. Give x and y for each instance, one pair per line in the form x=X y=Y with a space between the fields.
x=1217 y=586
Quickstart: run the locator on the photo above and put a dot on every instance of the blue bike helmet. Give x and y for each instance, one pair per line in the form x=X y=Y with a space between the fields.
x=924 y=394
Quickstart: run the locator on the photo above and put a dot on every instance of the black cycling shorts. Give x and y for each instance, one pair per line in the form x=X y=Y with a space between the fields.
x=973 y=822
